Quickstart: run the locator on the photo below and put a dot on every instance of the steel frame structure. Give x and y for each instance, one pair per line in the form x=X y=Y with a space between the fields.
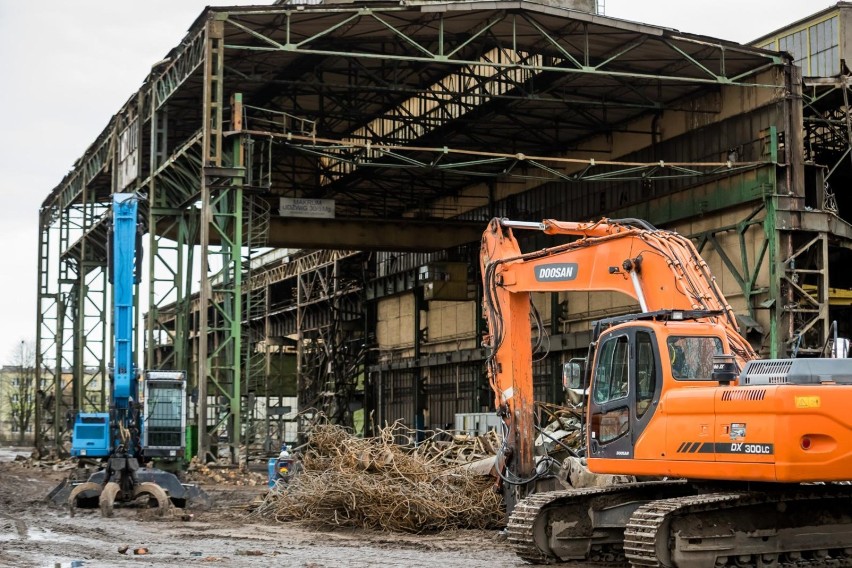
x=386 y=109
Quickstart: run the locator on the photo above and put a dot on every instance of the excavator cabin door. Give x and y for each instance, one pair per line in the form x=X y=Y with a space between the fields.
x=626 y=382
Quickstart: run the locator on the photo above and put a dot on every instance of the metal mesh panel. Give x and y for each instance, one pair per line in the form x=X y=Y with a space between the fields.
x=164 y=423
x=767 y=372
x=454 y=389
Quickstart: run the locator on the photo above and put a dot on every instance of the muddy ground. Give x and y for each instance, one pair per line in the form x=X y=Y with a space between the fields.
x=35 y=534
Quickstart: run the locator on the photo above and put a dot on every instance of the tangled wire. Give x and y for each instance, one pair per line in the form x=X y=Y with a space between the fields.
x=379 y=484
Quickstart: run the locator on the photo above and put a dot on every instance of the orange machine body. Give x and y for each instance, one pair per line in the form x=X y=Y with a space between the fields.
x=693 y=427
x=654 y=407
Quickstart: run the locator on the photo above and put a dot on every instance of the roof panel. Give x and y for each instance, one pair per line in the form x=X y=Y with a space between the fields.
x=478 y=76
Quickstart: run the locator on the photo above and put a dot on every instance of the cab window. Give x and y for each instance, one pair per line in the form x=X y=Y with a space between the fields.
x=646 y=372
x=691 y=358
x=609 y=426
x=611 y=370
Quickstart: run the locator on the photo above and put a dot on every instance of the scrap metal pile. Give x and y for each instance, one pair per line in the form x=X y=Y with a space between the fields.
x=380 y=483
x=560 y=435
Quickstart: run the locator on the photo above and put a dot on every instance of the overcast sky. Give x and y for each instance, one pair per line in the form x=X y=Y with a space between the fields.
x=67 y=66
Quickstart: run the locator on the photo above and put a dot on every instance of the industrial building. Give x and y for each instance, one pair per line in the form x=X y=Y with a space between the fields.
x=317 y=178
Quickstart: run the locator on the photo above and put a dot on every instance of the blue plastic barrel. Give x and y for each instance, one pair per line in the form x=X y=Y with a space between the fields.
x=272 y=470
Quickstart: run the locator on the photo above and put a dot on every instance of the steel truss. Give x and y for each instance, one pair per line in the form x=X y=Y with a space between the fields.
x=432 y=37
x=71 y=336
x=828 y=123
x=475 y=75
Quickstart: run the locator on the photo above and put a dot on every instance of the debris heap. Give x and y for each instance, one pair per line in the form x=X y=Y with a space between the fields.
x=220 y=474
x=378 y=483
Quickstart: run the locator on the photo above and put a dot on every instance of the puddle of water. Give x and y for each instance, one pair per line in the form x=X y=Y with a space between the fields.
x=43 y=534
x=9 y=454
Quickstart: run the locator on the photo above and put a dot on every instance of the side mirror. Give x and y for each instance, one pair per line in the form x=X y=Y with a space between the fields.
x=572 y=374
x=572 y=380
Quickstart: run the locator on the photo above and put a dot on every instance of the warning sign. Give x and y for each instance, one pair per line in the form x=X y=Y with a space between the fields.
x=807 y=402
x=302 y=207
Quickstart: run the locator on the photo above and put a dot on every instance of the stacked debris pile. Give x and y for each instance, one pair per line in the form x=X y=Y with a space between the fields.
x=220 y=474
x=380 y=483
x=52 y=463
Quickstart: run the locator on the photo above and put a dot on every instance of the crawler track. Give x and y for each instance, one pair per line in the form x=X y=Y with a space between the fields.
x=665 y=524
x=804 y=527
x=535 y=522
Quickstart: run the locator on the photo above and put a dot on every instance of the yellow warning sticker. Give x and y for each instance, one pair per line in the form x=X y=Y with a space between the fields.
x=807 y=402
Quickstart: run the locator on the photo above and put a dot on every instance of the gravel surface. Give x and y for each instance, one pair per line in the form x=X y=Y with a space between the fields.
x=35 y=534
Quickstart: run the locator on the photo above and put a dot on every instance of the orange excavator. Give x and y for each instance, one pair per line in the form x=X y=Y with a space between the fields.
x=739 y=461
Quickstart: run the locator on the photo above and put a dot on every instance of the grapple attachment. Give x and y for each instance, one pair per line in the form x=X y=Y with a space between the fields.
x=162 y=488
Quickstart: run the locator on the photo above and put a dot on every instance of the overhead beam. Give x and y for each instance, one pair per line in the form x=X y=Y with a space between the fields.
x=816 y=221
x=372 y=234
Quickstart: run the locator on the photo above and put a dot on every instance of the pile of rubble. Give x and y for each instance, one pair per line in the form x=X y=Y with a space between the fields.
x=386 y=483
x=52 y=463
x=561 y=434
x=220 y=474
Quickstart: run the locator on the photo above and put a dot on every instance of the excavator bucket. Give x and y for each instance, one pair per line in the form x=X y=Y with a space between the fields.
x=107 y=498
x=83 y=494
x=162 y=488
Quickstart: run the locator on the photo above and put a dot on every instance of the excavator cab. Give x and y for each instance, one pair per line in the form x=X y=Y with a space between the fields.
x=632 y=363
x=626 y=380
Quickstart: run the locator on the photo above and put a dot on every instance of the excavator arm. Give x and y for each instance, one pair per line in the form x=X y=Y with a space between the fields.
x=659 y=269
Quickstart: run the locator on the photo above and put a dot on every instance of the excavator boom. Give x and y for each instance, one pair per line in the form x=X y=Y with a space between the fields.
x=661 y=270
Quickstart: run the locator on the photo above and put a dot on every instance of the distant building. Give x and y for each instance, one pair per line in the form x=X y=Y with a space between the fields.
x=18 y=394
x=819 y=43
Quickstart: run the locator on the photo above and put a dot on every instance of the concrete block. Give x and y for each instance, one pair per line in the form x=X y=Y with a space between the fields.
x=388 y=308
x=434 y=319
x=394 y=337
x=581 y=325
x=465 y=318
x=449 y=328
x=622 y=301
x=406 y=305
x=578 y=302
x=382 y=334
x=737 y=302
x=406 y=329
x=600 y=301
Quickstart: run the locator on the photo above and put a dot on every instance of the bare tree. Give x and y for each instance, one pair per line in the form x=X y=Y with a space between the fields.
x=21 y=395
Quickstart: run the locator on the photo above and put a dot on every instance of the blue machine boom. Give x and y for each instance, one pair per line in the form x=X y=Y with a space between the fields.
x=147 y=417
